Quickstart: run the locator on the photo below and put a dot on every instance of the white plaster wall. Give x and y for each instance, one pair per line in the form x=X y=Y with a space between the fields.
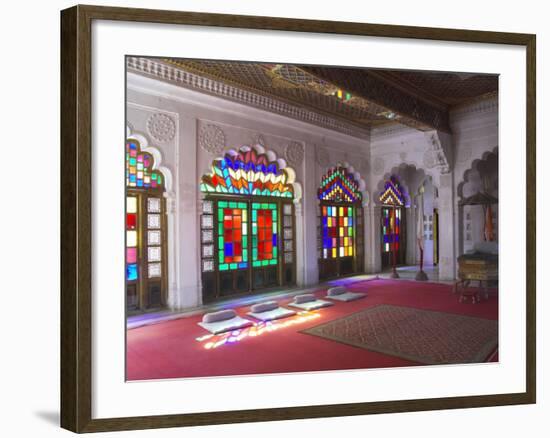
x=398 y=150
x=234 y=125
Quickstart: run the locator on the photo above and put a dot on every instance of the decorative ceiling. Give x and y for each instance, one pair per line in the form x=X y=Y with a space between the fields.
x=358 y=97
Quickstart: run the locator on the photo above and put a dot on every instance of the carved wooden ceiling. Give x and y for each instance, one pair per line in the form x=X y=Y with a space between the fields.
x=360 y=96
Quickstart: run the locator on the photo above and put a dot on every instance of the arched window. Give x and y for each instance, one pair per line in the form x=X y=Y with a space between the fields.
x=340 y=224
x=145 y=231
x=393 y=227
x=247 y=225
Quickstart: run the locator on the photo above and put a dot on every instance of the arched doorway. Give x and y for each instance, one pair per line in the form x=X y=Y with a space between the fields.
x=146 y=267
x=393 y=224
x=340 y=224
x=247 y=225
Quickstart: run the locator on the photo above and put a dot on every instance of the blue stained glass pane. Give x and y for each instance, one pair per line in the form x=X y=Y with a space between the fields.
x=397 y=238
x=140 y=183
x=274 y=239
x=133 y=146
x=243 y=265
x=131 y=272
x=229 y=249
x=350 y=221
x=325 y=221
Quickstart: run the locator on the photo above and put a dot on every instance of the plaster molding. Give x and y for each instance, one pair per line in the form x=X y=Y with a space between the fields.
x=438 y=152
x=322 y=156
x=181 y=77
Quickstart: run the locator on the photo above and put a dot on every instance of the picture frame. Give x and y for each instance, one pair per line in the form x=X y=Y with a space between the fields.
x=76 y=217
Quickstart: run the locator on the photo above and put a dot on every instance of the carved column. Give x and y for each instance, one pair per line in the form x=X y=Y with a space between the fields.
x=372 y=239
x=447 y=260
x=172 y=299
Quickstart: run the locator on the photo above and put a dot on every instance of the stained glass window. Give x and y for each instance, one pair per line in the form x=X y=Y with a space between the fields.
x=338 y=185
x=393 y=193
x=392 y=196
x=232 y=235
x=337 y=231
x=247 y=173
x=391 y=228
x=139 y=173
x=145 y=228
x=132 y=271
x=264 y=234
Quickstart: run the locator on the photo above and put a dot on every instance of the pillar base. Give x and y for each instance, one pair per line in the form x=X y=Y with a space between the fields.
x=421 y=276
x=394 y=274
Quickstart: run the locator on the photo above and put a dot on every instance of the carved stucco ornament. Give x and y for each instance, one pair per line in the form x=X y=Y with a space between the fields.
x=161 y=127
x=212 y=139
x=294 y=153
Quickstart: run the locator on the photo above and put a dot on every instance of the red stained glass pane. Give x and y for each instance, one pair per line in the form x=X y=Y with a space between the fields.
x=228 y=235
x=261 y=234
x=268 y=219
x=227 y=212
x=268 y=234
x=237 y=249
x=227 y=224
x=237 y=235
x=261 y=219
x=268 y=247
x=131 y=221
x=237 y=222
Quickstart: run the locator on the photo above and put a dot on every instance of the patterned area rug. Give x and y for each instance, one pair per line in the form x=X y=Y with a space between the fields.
x=423 y=336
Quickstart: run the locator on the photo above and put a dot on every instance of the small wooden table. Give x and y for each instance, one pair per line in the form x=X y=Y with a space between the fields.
x=479 y=267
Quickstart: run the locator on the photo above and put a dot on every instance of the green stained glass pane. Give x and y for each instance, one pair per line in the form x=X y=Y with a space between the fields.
x=221 y=258
x=220 y=242
x=254 y=241
x=233 y=266
x=274 y=215
x=255 y=205
x=222 y=204
x=256 y=264
x=223 y=267
x=274 y=251
x=265 y=262
x=273 y=262
x=265 y=206
x=350 y=231
x=274 y=227
x=245 y=255
x=273 y=206
x=232 y=205
x=132 y=162
x=254 y=215
x=350 y=211
x=245 y=241
x=254 y=254
x=220 y=227
x=220 y=215
x=242 y=204
x=254 y=229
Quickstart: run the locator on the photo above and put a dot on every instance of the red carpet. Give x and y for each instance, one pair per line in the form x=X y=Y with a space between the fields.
x=170 y=349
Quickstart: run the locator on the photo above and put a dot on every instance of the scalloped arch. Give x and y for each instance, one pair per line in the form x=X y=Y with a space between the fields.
x=271 y=157
x=143 y=141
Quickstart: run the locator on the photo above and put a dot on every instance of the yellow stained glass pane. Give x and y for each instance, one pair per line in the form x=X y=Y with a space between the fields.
x=131 y=238
x=351 y=250
x=131 y=204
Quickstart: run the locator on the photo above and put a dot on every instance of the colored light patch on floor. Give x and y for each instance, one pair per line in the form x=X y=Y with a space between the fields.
x=258 y=329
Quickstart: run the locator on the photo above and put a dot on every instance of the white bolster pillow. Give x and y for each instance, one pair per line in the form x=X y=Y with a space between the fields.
x=264 y=307
x=221 y=315
x=305 y=298
x=338 y=290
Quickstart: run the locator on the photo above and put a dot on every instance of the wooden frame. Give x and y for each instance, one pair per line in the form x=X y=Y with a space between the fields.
x=76 y=223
